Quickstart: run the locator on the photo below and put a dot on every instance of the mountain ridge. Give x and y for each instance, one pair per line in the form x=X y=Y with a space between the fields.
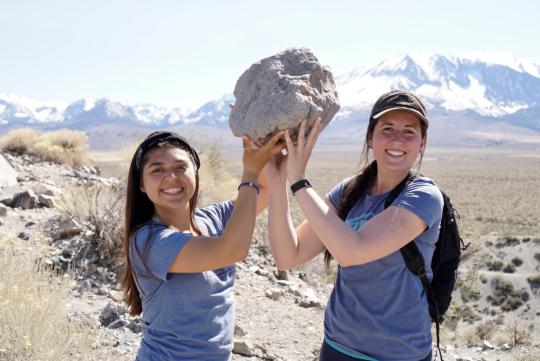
x=481 y=88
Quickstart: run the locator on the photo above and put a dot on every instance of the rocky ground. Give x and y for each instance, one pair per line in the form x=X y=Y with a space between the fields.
x=279 y=316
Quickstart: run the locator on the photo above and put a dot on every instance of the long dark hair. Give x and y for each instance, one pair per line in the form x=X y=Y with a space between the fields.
x=138 y=212
x=363 y=181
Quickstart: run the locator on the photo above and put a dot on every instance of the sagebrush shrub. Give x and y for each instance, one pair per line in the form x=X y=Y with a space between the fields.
x=34 y=323
x=62 y=146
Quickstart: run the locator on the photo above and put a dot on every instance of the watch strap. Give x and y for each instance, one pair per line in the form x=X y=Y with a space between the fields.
x=302 y=183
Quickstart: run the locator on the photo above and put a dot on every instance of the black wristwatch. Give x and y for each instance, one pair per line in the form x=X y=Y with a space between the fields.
x=295 y=187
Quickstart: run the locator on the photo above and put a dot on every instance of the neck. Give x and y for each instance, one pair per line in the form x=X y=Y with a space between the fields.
x=387 y=180
x=178 y=218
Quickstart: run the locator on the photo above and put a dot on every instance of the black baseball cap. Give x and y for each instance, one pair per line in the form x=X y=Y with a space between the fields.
x=400 y=100
x=160 y=136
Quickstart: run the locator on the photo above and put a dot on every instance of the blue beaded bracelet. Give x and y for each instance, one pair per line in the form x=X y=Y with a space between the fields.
x=250 y=184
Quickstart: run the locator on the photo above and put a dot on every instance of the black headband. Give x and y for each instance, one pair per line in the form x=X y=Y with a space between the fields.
x=158 y=137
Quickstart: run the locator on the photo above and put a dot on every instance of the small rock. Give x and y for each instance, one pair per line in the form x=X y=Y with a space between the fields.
x=69 y=228
x=487 y=346
x=3 y=210
x=310 y=299
x=135 y=325
x=47 y=189
x=275 y=294
x=239 y=331
x=8 y=176
x=282 y=275
x=243 y=348
x=85 y=285
x=24 y=200
x=117 y=324
x=23 y=236
x=46 y=201
x=109 y=314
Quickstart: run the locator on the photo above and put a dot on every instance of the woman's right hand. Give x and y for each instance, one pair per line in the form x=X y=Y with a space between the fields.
x=276 y=169
x=256 y=156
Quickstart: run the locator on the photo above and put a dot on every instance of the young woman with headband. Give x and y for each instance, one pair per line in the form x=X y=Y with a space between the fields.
x=180 y=259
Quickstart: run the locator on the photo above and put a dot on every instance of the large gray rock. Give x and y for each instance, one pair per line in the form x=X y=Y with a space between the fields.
x=280 y=91
x=8 y=176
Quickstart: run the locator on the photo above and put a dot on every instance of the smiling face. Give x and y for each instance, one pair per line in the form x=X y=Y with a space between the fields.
x=168 y=179
x=397 y=141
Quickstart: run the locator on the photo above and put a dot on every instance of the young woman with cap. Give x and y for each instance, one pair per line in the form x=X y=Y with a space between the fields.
x=180 y=259
x=378 y=309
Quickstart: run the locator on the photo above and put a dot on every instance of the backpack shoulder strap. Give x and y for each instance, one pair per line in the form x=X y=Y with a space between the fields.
x=414 y=260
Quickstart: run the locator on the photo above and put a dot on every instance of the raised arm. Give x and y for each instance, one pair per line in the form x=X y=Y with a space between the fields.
x=290 y=247
x=202 y=253
x=379 y=237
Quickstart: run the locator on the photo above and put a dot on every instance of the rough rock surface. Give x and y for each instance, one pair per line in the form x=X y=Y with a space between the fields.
x=8 y=176
x=280 y=91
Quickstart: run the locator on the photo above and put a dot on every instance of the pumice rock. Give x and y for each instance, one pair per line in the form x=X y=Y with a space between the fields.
x=280 y=91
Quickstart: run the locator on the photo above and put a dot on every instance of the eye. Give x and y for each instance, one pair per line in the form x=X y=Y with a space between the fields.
x=156 y=170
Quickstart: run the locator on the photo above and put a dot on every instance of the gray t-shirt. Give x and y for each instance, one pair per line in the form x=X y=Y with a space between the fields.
x=186 y=316
x=379 y=309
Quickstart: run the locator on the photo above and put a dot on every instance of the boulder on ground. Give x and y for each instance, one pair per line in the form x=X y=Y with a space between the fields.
x=8 y=176
x=280 y=91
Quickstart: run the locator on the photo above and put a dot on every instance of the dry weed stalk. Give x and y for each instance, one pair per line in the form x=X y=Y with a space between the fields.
x=100 y=208
x=34 y=324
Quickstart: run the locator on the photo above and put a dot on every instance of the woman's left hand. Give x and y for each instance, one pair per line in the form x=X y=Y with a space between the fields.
x=298 y=155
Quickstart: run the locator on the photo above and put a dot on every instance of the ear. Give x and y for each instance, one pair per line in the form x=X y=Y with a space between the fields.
x=423 y=145
x=142 y=189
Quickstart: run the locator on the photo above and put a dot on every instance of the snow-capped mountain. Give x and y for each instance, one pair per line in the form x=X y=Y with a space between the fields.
x=470 y=94
x=491 y=87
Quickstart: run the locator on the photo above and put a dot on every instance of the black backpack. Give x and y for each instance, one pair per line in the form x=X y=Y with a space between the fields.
x=445 y=260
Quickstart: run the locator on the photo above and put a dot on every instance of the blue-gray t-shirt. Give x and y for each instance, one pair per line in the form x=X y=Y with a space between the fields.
x=379 y=309
x=186 y=316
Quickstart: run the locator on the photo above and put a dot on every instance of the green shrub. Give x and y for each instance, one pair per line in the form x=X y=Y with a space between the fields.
x=534 y=281
x=509 y=268
x=505 y=296
x=494 y=265
x=517 y=261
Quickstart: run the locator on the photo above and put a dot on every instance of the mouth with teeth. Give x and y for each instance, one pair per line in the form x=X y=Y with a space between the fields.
x=395 y=153
x=173 y=191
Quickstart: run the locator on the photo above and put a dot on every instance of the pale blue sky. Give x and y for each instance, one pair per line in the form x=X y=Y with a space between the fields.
x=183 y=53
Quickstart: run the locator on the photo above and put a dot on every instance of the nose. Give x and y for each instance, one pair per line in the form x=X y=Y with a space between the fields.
x=172 y=173
x=398 y=137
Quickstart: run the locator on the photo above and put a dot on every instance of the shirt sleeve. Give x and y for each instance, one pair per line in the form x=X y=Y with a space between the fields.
x=218 y=212
x=423 y=198
x=155 y=248
x=335 y=194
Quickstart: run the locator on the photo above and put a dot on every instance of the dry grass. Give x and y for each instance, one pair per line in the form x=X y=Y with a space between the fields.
x=34 y=324
x=216 y=182
x=62 y=146
x=100 y=209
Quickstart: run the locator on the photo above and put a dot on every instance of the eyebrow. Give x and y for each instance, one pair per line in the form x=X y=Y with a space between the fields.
x=387 y=122
x=156 y=163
